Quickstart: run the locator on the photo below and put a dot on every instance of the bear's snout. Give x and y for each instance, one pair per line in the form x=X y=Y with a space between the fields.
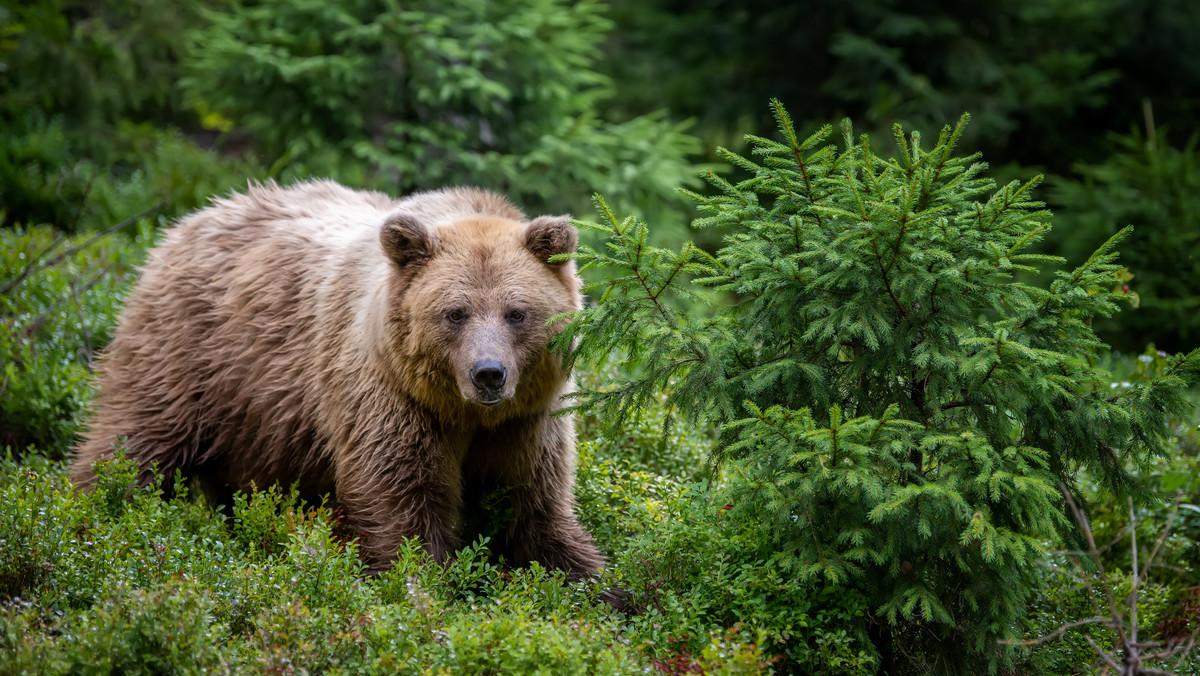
x=488 y=376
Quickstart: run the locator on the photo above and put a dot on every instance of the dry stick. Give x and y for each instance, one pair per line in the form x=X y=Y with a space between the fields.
x=1185 y=648
x=1114 y=611
x=41 y=319
x=1054 y=634
x=36 y=265
x=1162 y=539
x=1099 y=617
x=1111 y=665
x=1117 y=623
x=1132 y=654
x=83 y=321
x=1182 y=648
x=62 y=236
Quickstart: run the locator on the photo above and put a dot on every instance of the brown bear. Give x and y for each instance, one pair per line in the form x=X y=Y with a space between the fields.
x=390 y=352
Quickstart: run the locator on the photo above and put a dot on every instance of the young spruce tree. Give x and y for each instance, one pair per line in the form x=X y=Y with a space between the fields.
x=892 y=397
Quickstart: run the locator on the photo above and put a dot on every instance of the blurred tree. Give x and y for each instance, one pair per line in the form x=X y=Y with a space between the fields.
x=87 y=101
x=1041 y=78
x=1156 y=188
x=406 y=96
x=93 y=61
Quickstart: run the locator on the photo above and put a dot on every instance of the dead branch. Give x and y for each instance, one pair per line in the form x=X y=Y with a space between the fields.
x=40 y=263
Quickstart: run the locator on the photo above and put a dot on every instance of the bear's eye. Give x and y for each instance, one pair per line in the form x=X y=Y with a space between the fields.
x=456 y=316
x=515 y=317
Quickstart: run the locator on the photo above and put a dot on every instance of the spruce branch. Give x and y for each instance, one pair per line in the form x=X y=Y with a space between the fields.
x=879 y=295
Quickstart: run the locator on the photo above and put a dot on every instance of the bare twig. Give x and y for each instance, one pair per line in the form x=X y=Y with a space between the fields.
x=1162 y=538
x=1123 y=621
x=1081 y=519
x=1054 y=634
x=40 y=263
x=1100 y=651
x=83 y=320
x=1132 y=656
x=41 y=319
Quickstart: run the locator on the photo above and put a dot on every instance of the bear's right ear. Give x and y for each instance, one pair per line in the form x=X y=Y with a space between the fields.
x=551 y=235
x=405 y=240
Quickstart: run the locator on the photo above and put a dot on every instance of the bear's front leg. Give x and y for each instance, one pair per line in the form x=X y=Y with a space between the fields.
x=401 y=490
x=545 y=528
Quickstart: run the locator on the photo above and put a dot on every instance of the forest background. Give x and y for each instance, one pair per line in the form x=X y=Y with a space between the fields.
x=117 y=116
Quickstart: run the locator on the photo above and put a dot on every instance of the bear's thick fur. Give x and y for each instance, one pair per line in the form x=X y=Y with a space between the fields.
x=391 y=352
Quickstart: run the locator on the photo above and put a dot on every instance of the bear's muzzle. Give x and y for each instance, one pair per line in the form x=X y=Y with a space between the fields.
x=488 y=376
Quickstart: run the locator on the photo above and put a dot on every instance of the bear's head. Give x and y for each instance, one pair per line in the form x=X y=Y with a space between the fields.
x=469 y=307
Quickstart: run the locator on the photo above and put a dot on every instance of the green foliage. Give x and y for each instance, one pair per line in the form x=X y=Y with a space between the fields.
x=36 y=530
x=121 y=579
x=85 y=91
x=896 y=405
x=646 y=441
x=705 y=567
x=1155 y=187
x=59 y=298
x=621 y=499
x=1073 y=601
x=423 y=95
x=263 y=520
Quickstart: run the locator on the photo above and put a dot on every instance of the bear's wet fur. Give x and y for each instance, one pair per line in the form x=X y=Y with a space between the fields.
x=390 y=352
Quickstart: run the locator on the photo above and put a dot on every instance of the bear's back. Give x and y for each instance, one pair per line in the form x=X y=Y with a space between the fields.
x=438 y=208
x=326 y=213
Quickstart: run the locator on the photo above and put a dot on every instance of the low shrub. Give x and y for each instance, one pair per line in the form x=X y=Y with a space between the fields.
x=121 y=579
x=59 y=299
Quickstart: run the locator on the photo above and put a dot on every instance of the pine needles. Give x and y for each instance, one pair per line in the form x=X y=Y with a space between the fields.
x=895 y=397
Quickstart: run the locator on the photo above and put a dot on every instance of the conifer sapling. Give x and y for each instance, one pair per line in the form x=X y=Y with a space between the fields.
x=892 y=395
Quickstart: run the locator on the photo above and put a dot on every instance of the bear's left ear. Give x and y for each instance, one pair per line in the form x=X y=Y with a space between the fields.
x=405 y=240
x=551 y=235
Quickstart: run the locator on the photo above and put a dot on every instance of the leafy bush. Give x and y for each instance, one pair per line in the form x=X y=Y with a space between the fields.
x=621 y=500
x=646 y=441
x=59 y=299
x=897 y=409
x=122 y=579
x=702 y=568
x=37 y=529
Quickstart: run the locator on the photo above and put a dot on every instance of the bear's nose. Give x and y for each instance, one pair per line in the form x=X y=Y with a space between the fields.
x=488 y=375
